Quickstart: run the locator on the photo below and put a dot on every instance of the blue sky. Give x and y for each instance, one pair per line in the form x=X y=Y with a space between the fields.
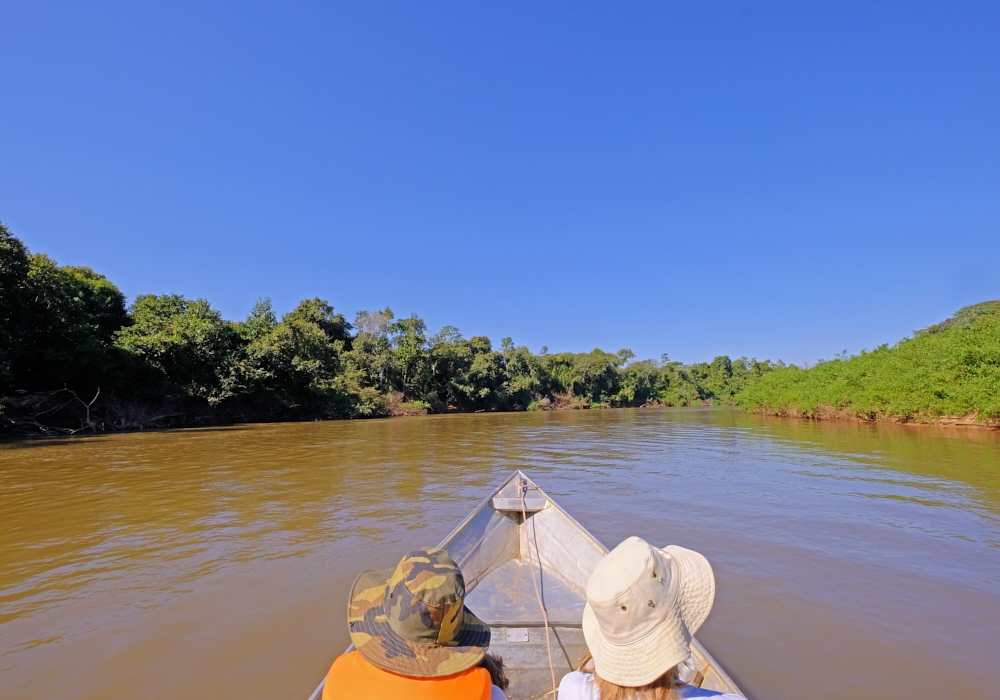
x=697 y=178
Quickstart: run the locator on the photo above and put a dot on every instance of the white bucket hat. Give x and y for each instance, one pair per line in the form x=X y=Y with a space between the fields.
x=643 y=606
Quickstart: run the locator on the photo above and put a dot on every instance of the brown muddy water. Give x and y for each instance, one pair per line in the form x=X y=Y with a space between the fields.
x=853 y=561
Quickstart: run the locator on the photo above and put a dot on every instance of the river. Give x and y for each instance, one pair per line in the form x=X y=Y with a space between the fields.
x=852 y=560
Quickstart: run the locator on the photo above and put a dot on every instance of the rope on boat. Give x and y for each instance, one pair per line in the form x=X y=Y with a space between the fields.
x=522 y=489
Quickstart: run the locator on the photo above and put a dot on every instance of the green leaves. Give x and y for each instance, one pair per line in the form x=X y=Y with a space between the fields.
x=257 y=369
x=56 y=323
x=950 y=369
x=187 y=342
x=64 y=326
x=173 y=356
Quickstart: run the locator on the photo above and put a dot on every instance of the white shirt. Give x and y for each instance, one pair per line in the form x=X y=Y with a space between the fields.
x=581 y=686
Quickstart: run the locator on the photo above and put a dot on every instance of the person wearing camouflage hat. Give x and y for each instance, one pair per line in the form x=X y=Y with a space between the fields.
x=413 y=635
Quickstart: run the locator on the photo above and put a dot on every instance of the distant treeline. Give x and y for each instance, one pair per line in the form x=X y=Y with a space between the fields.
x=74 y=357
x=949 y=371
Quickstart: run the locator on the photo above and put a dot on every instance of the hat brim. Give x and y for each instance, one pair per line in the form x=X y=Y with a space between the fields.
x=384 y=648
x=668 y=644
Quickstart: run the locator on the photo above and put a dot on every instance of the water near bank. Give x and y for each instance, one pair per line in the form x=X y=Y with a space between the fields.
x=853 y=560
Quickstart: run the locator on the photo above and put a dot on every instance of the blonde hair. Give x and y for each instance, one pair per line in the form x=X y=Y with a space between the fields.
x=663 y=688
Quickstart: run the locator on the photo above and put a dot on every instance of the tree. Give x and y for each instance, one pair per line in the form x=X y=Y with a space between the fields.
x=449 y=360
x=259 y=322
x=13 y=277
x=168 y=360
x=289 y=370
x=411 y=359
x=186 y=342
x=61 y=324
x=522 y=376
x=637 y=384
x=598 y=374
x=319 y=312
x=370 y=359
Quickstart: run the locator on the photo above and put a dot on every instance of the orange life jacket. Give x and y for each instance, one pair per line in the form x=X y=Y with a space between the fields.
x=353 y=678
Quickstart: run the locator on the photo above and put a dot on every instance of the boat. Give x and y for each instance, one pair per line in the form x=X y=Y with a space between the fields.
x=519 y=547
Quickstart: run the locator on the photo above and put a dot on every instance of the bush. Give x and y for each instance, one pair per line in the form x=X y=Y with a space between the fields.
x=950 y=369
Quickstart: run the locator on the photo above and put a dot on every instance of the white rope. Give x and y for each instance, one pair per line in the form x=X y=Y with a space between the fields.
x=523 y=487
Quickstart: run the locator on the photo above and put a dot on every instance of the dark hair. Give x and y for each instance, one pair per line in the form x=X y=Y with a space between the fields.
x=498 y=672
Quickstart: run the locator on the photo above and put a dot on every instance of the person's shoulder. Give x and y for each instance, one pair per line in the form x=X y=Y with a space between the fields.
x=690 y=691
x=577 y=685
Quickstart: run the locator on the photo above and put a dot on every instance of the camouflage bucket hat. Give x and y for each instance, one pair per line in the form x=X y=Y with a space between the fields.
x=412 y=620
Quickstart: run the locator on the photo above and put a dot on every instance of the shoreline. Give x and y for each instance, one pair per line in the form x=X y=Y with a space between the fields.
x=969 y=421
x=396 y=410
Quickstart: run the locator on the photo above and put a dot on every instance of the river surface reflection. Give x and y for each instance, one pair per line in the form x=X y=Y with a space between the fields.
x=852 y=560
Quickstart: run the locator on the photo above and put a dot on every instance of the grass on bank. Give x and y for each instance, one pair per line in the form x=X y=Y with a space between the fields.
x=951 y=369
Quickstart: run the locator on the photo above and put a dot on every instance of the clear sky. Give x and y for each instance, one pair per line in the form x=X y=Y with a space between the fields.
x=698 y=178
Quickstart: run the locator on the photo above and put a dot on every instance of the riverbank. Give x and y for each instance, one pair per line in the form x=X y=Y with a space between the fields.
x=971 y=421
x=947 y=374
x=23 y=423
x=74 y=358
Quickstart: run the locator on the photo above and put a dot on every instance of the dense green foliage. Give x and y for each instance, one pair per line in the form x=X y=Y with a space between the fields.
x=73 y=357
x=56 y=323
x=951 y=369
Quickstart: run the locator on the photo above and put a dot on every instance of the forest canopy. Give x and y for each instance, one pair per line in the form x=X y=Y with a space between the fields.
x=74 y=356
